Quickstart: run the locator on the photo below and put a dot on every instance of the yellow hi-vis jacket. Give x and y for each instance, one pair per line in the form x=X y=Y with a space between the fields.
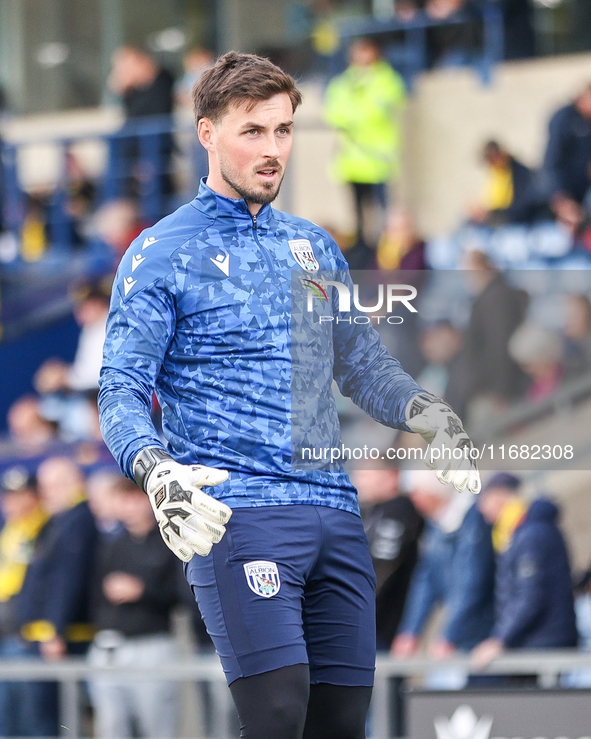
x=365 y=105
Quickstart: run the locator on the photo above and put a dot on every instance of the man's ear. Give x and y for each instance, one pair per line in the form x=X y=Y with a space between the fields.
x=206 y=134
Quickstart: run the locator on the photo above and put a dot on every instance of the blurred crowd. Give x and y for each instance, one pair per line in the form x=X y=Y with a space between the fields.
x=149 y=170
x=141 y=182
x=496 y=569
x=61 y=417
x=365 y=105
x=83 y=570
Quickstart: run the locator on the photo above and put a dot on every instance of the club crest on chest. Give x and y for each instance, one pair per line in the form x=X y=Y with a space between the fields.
x=304 y=254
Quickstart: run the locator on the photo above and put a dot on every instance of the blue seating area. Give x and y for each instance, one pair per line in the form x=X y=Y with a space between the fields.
x=546 y=245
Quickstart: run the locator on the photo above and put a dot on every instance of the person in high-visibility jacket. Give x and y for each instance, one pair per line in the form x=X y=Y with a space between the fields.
x=365 y=104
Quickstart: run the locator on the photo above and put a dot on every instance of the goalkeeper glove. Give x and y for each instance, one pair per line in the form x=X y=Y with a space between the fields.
x=434 y=420
x=189 y=520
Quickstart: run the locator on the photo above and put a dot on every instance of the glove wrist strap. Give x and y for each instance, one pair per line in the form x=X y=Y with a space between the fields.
x=145 y=462
x=419 y=403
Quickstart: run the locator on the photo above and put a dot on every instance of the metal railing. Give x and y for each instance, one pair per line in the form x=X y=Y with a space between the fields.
x=71 y=673
x=139 y=164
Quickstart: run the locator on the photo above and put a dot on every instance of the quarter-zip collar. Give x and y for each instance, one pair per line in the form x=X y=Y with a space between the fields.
x=218 y=206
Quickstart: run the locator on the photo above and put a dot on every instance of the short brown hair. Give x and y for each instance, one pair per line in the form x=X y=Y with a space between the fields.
x=236 y=78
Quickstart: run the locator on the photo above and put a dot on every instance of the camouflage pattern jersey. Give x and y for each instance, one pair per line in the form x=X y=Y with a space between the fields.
x=201 y=312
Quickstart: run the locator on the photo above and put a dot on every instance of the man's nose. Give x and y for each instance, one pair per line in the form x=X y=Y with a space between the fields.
x=271 y=150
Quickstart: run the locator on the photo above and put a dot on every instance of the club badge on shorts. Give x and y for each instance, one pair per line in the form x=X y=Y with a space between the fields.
x=304 y=254
x=262 y=578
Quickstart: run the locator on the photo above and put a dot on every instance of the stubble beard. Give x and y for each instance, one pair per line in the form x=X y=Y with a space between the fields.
x=267 y=195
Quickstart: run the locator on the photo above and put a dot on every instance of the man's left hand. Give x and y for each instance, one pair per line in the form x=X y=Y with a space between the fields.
x=450 y=449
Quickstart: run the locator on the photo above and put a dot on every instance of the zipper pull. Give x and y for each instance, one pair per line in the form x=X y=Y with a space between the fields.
x=254 y=221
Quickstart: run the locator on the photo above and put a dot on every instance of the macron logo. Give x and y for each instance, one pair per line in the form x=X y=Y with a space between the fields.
x=136 y=260
x=128 y=283
x=222 y=263
x=149 y=241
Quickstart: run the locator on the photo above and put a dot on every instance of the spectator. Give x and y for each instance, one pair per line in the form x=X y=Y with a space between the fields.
x=534 y=599
x=453 y=44
x=406 y=10
x=567 y=159
x=364 y=105
x=539 y=352
x=400 y=246
x=582 y=590
x=91 y=308
x=52 y=607
x=511 y=194
x=29 y=432
x=456 y=569
x=393 y=527
x=135 y=590
x=63 y=386
x=195 y=62
x=145 y=90
x=23 y=518
x=440 y=344
x=577 y=330
x=34 y=236
x=102 y=492
x=74 y=211
x=518 y=21
x=117 y=223
x=491 y=376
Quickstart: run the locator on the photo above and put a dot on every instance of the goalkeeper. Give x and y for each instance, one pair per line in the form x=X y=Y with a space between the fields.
x=201 y=312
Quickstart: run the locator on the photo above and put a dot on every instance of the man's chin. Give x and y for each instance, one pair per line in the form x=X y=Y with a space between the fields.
x=263 y=194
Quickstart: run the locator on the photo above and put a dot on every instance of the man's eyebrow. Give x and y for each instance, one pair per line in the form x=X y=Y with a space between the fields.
x=259 y=126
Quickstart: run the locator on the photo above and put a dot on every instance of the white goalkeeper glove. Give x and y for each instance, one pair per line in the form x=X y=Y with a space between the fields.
x=190 y=521
x=450 y=448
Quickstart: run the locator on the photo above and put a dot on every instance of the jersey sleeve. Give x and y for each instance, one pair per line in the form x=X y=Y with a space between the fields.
x=139 y=329
x=364 y=369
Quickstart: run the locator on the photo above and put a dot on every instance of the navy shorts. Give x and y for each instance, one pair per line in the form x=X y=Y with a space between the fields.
x=290 y=585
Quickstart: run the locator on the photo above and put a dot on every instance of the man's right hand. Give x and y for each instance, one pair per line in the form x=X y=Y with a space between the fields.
x=190 y=521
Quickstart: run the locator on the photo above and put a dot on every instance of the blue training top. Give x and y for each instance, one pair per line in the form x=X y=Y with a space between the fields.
x=202 y=312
